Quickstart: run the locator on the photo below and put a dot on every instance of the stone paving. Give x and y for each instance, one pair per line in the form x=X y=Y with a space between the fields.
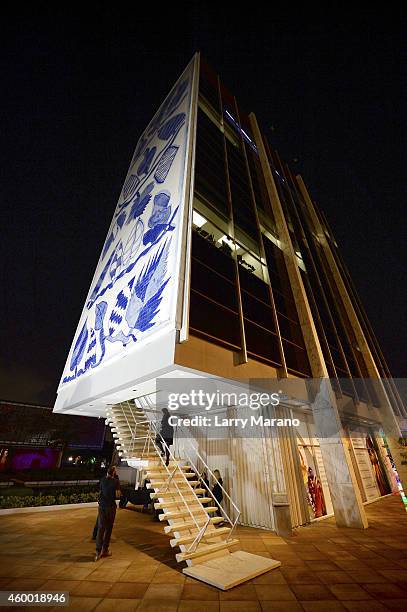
x=323 y=568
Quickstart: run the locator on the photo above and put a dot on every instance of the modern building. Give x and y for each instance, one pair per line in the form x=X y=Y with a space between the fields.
x=218 y=265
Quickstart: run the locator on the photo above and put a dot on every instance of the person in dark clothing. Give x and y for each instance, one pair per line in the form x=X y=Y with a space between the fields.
x=217 y=490
x=146 y=505
x=203 y=483
x=167 y=433
x=95 y=528
x=205 y=480
x=107 y=513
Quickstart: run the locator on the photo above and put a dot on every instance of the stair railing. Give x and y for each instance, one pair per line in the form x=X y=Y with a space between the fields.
x=154 y=426
x=150 y=436
x=151 y=408
x=117 y=411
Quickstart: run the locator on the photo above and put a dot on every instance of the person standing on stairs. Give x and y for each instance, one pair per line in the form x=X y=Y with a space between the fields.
x=107 y=513
x=217 y=491
x=166 y=433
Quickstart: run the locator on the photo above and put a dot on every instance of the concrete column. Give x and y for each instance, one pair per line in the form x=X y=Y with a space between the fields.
x=345 y=494
x=389 y=420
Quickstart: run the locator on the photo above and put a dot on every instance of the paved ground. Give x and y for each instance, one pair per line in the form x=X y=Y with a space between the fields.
x=323 y=568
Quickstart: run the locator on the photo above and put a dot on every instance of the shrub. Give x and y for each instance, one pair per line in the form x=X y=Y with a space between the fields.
x=28 y=501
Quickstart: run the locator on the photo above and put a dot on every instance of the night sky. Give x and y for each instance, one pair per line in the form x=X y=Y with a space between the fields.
x=78 y=89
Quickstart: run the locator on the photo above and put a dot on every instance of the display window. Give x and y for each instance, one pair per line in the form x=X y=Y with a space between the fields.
x=388 y=463
x=313 y=471
x=368 y=460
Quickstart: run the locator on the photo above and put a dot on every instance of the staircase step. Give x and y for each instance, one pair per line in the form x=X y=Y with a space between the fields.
x=162 y=473
x=130 y=439
x=191 y=524
x=129 y=416
x=177 y=476
x=175 y=514
x=161 y=483
x=171 y=494
x=179 y=502
x=129 y=424
x=205 y=549
x=128 y=412
x=209 y=535
x=159 y=467
x=158 y=463
x=144 y=456
x=138 y=444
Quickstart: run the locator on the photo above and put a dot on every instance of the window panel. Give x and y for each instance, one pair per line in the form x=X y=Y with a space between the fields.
x=254 y=285
x=262 y=343
x=208 y=85
x=210 y=175
x=290 y=331
x=296 y=358
x=212 y=285
x=257 y=312
x=206 y=251
x=213 y=320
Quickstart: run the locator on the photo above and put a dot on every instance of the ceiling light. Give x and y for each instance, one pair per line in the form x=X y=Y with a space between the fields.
x=229 y=242
x=197 y=220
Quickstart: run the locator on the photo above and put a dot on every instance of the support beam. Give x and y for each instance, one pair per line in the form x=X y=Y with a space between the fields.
x=345 y=494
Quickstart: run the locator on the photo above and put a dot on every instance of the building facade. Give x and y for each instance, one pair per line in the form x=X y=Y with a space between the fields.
x=219 y=265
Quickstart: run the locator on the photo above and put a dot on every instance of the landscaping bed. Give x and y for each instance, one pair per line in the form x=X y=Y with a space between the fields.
x=22 y=497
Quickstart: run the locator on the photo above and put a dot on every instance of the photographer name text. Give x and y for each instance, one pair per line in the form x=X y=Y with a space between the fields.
x=241 y=423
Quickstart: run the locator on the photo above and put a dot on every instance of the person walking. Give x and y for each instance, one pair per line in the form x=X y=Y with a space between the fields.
x=107 y=512
x=166 y=433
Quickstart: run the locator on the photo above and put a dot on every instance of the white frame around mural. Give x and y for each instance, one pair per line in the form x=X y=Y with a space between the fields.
x=135 y=305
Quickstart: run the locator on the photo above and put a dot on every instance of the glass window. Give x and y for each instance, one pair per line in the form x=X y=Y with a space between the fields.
x=296 y=358
x=255 y=285
x=213 y=321
x=258 y=312
x=205 y=250
x=262 y=343
x=213 y=285
x=243 y=211
x=290 y=330
x=208 y=85
x=210 y=174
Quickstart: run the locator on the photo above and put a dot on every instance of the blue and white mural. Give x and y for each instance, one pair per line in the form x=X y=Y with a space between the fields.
x=131 y=293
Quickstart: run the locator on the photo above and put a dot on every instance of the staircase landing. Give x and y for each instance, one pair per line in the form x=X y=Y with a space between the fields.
x=229 y=571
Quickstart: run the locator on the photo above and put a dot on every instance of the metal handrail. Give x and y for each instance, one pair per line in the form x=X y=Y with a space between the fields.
x=133 y=430
x=233 y=523
x=134 y=438
x=150 y=439
x=201 y=531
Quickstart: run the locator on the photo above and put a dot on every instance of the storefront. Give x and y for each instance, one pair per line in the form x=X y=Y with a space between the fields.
x=371 y=462
x=314 y=478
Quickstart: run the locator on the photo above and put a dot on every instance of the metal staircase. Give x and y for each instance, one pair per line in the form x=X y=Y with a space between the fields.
x=187 y=503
